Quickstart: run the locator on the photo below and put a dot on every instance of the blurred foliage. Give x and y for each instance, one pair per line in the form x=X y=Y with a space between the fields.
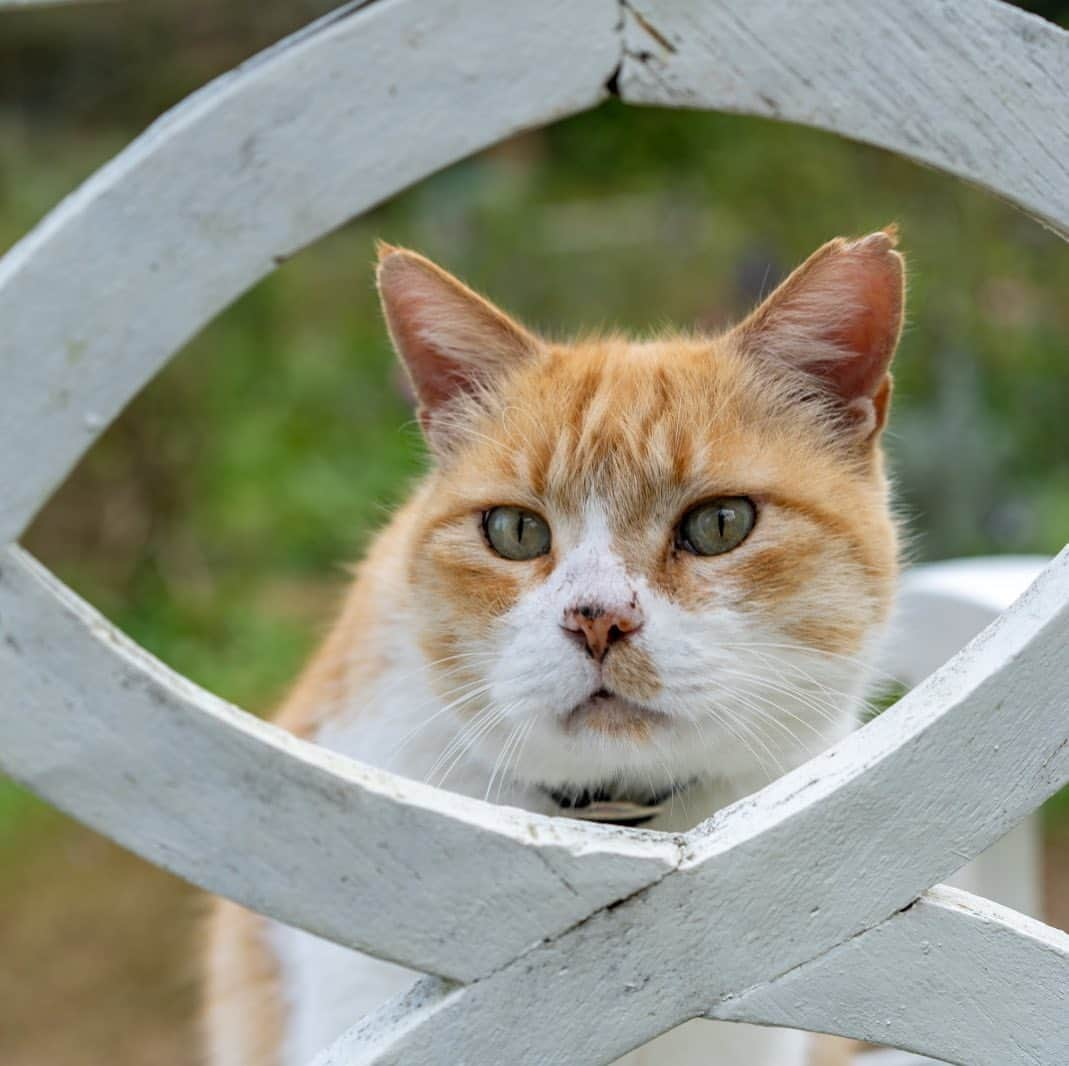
x=211 y=518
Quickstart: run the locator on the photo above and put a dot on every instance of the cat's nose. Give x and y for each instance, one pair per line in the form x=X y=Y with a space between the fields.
x=597 y=626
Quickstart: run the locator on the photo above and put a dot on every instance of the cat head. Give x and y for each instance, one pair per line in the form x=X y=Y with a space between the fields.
x=656 y=559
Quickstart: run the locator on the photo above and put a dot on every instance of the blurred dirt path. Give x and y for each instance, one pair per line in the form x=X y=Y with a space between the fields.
x=97 y=953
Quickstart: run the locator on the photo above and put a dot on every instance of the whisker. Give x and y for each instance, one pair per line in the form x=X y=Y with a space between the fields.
x=502 y=759
x=826 y=711
x=751 y=729
x=479 y=689
x=824 y=714
x=851 y=660
x=465 y=749
x=720 y=720
x=396 y=680
x=465 y=740
x=673 y=782
x=767 y=715
x=779 y=665
x=513 y=760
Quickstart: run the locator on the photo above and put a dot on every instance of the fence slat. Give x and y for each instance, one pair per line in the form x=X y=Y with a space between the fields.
x=267 y=159
x=118 y=277
x=102 y=730
x=942 y=606
x=974 y=88
x=954 y=976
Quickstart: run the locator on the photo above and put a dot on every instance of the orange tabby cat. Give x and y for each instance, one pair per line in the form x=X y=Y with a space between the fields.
x=641 y=579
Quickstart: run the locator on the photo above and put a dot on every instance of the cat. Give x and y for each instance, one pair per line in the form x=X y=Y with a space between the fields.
x=641 y=579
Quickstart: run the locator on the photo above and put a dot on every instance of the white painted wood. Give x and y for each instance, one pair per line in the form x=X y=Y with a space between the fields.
x=810 y=862
x=244 y=174
x=413 y=874
x=941 y=607
x=1009 y=872
x=975 y=88
x=953 y=976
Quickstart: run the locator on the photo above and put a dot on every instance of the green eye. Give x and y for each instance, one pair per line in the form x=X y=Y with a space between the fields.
x=515 y=533
x=717 y=526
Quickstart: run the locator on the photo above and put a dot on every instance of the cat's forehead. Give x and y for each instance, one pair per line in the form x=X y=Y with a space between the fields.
x=638 y=427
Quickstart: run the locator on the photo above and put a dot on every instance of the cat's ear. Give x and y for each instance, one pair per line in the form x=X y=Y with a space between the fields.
x=451 y=341
x=837 y=319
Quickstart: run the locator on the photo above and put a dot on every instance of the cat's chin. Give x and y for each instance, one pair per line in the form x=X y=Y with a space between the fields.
x=612 y=715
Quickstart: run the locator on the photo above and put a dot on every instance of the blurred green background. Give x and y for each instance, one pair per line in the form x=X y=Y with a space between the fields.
x=211 y=521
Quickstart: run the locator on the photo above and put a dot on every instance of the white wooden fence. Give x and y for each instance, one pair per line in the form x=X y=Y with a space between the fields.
x=810 y=904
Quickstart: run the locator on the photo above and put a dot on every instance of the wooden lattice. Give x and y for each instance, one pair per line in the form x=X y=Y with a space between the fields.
x=810 y=904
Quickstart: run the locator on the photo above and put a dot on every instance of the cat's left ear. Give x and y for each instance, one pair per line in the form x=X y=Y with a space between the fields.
x=837 y=319
x=452 y=342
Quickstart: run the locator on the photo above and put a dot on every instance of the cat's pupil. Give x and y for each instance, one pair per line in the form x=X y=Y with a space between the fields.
x=716 y=527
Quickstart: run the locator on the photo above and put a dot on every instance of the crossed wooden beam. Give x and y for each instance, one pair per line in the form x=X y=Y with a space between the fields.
x=808 y=904
x=804 y=905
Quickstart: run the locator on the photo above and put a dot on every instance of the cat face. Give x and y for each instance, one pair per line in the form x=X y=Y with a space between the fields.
x=656 y=560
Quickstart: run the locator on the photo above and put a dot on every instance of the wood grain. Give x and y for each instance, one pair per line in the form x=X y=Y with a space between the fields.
x=975 y=88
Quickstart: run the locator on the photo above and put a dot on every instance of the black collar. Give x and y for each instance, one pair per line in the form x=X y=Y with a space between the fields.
x=613 y=803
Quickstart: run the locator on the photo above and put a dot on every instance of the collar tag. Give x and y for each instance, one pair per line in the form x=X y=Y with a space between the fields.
x=619 y=812
x=597 y=804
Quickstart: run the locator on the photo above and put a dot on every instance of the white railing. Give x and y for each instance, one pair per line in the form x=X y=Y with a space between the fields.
x=825 y=916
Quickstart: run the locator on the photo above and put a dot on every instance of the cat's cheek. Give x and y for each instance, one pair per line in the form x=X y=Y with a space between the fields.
x=695 y=651
x=538 y=673
x=813 y=592
x=536 y=669
x=460 y=588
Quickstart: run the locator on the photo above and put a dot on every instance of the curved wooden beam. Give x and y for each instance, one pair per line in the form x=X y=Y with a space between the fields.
x=953 y=976
x=245 y=173
x=941 y=607
x=98 y=727
x=974 y=89
x=119 y=276
x=319 y=128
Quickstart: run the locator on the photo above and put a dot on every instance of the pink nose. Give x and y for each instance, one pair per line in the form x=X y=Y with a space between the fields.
x=597 y=626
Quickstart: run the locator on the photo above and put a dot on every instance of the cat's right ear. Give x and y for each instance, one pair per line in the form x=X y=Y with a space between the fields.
x=452 y=342
x=837 y=320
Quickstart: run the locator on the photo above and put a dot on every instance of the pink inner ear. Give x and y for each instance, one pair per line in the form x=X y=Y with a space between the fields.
x=837 y=319
x=436 y=376
x=451 y=340
x=869 y=332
